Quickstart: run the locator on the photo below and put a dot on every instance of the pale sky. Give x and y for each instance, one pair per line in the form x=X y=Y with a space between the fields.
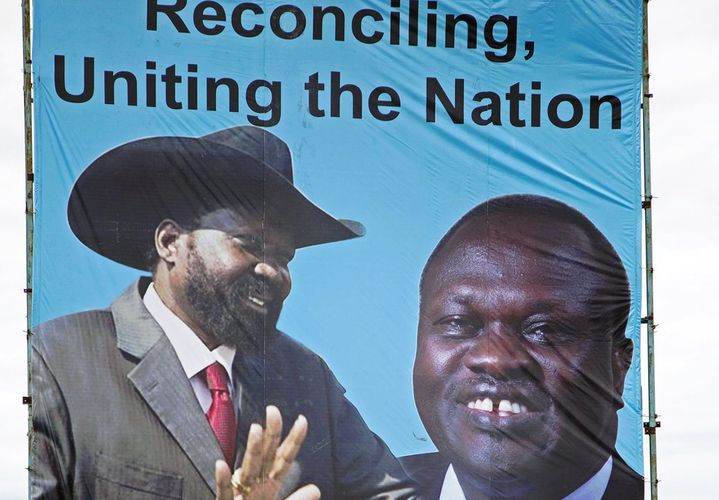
x=683 y=46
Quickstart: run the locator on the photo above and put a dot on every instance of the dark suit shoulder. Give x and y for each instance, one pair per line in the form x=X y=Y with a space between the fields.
x=286 y=349
x=423 y=460
x=427 y=470
x=624 y=483
x=73 y=321
x=284 y=344
x=67 y=334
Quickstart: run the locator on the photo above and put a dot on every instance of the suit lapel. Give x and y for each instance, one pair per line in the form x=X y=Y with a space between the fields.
x=259 y=381
x=623 y=482
x=427 y=471
x=162 y=383
x=250 y=377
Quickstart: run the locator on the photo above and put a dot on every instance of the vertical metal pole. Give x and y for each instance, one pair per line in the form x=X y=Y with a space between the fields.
x=29 y=201
x=650 y=427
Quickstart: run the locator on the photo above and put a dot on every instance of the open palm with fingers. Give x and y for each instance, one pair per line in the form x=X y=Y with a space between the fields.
x=265 y=463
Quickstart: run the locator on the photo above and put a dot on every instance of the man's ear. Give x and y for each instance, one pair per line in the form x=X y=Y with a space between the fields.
x=167 y=236
x=621 y=360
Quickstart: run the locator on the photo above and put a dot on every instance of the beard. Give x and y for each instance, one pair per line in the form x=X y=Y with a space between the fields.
x=221 y=308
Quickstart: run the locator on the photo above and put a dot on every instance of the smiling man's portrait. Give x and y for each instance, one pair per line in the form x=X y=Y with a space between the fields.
x=186 y=367
x=521 y=357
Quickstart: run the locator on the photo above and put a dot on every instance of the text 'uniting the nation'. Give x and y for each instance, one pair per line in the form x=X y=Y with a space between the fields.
x=404 y=23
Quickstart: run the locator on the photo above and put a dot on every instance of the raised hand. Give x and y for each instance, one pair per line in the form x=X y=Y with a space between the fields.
x=265 y=463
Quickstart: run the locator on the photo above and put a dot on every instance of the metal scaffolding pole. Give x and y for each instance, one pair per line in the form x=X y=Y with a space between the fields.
x=29 y=200
x=651 y=425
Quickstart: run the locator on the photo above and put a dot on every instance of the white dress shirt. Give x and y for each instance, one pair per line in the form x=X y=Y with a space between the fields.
x=593 y=489
x=193 y=354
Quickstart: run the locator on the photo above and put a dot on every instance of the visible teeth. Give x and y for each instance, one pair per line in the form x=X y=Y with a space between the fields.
x=257 y=301
x=504 y=408
x=486 y=404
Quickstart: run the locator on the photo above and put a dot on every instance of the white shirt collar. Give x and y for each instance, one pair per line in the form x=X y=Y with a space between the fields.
x=192 y=352
x=451 y=490
x=593 y=489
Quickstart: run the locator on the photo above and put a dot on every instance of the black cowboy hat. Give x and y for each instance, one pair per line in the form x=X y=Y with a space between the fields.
x=119 y=200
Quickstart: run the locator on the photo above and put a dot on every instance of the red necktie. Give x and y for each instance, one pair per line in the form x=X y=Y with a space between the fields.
x=222 y=412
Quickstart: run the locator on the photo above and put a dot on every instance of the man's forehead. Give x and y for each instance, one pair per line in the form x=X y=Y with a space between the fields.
x=512 y=241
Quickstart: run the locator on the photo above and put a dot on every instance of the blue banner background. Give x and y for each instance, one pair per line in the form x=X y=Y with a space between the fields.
x=355 y=302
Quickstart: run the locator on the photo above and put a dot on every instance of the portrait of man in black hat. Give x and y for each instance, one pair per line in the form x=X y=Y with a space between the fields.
x=521 y=357
x=141 y=399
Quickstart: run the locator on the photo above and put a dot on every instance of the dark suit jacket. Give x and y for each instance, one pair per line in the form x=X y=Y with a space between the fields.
x=114 y=415
x=428 y=471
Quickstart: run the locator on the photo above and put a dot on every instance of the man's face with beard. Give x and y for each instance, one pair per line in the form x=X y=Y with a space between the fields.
x=236 y=277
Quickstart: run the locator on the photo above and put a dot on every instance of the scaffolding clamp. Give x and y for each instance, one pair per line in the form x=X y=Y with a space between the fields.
x=650 y=429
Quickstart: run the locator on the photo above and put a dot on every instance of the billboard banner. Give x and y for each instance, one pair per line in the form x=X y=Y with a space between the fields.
x=408 y=229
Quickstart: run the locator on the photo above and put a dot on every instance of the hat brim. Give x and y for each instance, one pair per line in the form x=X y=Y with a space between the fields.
x=117 y=203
